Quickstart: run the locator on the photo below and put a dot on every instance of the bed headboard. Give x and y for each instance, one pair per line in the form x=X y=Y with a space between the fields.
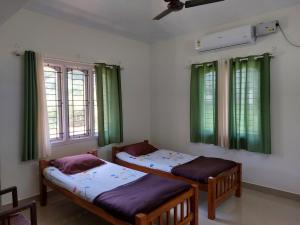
x=117 y=149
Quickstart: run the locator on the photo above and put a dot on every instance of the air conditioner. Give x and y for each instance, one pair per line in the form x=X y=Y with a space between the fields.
x=233 y=37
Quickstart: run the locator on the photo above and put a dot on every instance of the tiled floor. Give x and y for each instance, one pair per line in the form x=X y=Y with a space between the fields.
x=254 y=208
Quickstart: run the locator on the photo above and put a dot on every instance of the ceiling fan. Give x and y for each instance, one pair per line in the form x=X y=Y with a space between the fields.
x=177 y=5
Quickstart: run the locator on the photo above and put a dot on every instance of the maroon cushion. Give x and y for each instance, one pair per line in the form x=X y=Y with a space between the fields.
x=139 y=149
x=77 y=163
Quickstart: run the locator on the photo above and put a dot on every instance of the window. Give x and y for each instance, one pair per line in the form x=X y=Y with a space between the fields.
x=204 y=103
x=208 y=98
x=249 y=118
x=230 y=105
x=246 y=93
x=71 y=101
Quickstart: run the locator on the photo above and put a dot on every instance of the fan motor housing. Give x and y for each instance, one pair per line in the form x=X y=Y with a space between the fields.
x=176 y=5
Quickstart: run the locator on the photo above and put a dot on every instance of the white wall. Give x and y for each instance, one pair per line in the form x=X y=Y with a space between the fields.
x=59 y=39
x=169 y=98
x=170 y=101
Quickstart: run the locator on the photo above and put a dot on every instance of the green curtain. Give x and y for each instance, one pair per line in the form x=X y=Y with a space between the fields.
x=109 y=103
x=30 y=146
x=249 y=109
x=203 y=103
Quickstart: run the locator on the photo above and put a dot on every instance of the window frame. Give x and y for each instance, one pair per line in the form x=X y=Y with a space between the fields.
x=90 y=117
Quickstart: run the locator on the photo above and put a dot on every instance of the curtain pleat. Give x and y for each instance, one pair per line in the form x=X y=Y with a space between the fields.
x=265 y=89
x=249 y=114
x=30 y=101
x=44 y=144
x=223 y=103
x=109 y=103
x=100 y=71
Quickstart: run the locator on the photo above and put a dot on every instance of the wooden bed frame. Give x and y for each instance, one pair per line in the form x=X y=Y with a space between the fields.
x=218 y=189
x=184 y=206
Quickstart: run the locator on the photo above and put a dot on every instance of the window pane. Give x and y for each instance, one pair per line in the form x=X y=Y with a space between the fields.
x=95 y=106
x=209 y=102
x=78 y=103
x=53 y=96
x=105 y=103
x=208 y=81
x=247 y=104
x=204 y=103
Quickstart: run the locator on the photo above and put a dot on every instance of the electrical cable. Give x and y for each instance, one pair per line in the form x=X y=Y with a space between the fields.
x=286 y=37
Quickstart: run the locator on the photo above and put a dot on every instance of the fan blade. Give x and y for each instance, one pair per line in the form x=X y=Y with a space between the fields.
x=163 y=14
x=193 y=3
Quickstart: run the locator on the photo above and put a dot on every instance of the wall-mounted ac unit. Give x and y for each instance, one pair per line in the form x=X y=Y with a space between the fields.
x=233 y=37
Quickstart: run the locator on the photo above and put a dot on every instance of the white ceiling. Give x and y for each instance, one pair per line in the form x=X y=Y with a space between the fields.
x=9 y=8
x=133 y=18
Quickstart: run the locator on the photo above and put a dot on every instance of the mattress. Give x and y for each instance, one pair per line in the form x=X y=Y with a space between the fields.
x=162 y=159
x=90 y=184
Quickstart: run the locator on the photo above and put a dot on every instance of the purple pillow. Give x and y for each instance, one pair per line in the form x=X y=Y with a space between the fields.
x=142 y=148
x=77 y=163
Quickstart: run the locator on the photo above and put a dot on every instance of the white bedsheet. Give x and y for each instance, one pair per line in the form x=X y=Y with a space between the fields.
x=89 y=184
x=161 y=159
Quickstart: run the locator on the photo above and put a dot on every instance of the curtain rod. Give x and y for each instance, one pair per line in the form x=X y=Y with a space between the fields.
x=18 y=54
x=70 y=61
x=77 y=62
x=242 y=58
x=201 y=64
x=255 y=57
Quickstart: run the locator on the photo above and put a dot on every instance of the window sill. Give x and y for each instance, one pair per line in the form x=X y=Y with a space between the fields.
x=73 y=141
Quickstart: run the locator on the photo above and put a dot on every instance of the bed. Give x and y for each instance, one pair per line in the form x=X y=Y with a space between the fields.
x=103 y=191
x=219 y=186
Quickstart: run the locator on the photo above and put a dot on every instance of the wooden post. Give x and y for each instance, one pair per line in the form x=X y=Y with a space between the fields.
x=140 y=219
x=114 y=153
x=43 y=187
x=93 y=152
x=33 y=216
x=15 y=196
x=238 y=192
x=195 y=205
x=211 y=198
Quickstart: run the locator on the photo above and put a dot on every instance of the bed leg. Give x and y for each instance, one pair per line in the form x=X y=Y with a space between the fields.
x=211 y=198
x=43 y=194
x=43 y=187
x=114 y=154
x=195 y=206
x=238 y=192
x=140 y=219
